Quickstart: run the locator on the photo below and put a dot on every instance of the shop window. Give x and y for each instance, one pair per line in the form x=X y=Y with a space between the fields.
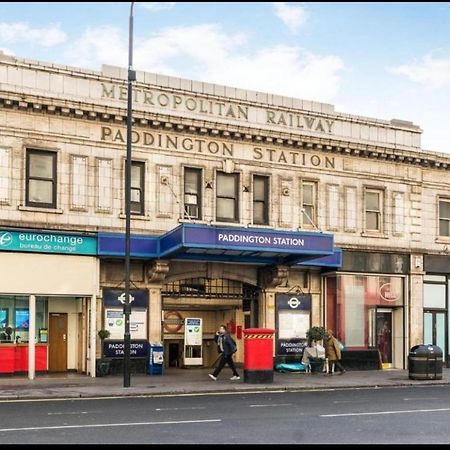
x=434 y=295
x=40 y=179
x=260 y=200
x=309 y=204
x=15 y=319
x=444 y=217
x=353 y=303
x=137 y=187
x=192 y=193
x=227 y=197
x=373 y=209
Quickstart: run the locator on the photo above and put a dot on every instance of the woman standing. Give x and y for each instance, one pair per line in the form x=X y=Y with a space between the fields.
x=333 y=353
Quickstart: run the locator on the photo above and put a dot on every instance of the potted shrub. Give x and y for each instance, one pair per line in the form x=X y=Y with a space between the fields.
x=316 y=335
x=102 y=366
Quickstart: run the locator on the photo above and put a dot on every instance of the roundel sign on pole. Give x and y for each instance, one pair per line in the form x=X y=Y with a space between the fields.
x=173 y=321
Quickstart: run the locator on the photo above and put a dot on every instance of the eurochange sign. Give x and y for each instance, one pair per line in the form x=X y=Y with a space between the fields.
x=66 y=244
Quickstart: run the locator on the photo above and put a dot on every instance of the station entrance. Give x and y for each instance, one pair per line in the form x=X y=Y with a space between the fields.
x=212 y=301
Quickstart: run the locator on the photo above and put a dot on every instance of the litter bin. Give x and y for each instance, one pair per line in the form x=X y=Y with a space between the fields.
x=258 y=355
x=425 y=362
x=155 y=359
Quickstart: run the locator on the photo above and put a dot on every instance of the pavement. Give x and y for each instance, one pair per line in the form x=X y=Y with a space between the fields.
x=176 y=381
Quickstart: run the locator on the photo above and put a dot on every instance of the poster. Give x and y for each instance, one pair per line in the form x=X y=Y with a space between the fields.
x=292 y=324
x=115 y=323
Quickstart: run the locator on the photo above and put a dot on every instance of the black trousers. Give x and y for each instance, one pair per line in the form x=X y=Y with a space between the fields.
x=228 y=359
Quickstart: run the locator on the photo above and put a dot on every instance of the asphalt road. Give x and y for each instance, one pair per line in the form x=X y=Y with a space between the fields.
x=384 y=415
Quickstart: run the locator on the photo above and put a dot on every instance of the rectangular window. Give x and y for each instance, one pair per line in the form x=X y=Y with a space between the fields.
x=373 y=209
x=260 y=200
x=192 y=193
x=444 y=217
x=41 y=179
x=137 y=187
x=309 y=204
x=227 y=197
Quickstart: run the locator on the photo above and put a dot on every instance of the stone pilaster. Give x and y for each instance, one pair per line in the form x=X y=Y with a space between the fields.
x=156 y=274
x=415 y=310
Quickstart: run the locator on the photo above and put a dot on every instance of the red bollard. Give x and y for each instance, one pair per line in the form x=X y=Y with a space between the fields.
x=258 y=355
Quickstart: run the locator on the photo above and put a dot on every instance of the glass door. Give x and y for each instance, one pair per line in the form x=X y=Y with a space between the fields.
x=434 y=329
x=384 y=336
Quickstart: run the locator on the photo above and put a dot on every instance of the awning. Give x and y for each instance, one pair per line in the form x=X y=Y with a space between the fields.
x=249 y=245
x=228 y=244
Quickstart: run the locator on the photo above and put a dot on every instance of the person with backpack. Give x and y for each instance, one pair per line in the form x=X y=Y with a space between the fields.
x=226 y=347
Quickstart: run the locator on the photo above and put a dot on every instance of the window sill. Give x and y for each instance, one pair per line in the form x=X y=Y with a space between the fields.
x=374 y=235
x=192 y=220
x=442 y=240
x=254 y=225
x=227 y=224
x=42 y=210
x=134 y=217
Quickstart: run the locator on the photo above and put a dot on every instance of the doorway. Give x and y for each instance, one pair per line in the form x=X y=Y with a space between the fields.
x=57 y=342
x=384 y=336
x=434 y=329
x=174 y=354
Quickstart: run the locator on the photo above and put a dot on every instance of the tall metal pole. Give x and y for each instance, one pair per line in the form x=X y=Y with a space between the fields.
x=127 y=305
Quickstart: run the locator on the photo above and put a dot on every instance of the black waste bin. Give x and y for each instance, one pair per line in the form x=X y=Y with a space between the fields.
x=425 y=362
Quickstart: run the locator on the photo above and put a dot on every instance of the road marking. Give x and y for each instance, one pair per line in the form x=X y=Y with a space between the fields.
x=65 y=413
x=180 y=409
x=100 y=425
x=274 y=404
x=347 y=401
x=384 y=412
x=422 y=398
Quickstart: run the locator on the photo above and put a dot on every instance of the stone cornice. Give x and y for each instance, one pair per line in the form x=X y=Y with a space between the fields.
x=166 y=122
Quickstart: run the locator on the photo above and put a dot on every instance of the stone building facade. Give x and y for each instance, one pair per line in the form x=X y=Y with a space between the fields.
x=241 y=202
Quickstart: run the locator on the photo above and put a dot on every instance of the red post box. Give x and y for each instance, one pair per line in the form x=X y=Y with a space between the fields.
x=258 y=355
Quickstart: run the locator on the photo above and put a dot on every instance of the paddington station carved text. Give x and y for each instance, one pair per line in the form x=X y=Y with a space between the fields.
x=192 y=144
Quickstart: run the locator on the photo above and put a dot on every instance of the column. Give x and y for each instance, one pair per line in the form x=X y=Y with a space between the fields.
x=156 y=274
x=31 y=337
x=92 y=336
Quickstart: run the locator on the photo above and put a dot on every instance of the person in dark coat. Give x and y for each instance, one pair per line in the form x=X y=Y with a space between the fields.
x=226 y=347
x=333 y=353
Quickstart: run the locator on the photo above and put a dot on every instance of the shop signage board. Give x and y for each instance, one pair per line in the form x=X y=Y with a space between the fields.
x=67 y=244
x=115 y=348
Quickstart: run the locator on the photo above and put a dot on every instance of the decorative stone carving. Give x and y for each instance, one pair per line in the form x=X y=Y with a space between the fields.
x=157 y=271
x=275 y=276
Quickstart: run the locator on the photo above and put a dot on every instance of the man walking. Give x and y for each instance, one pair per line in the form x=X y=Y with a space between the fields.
x=226 y=347
x=333 y=353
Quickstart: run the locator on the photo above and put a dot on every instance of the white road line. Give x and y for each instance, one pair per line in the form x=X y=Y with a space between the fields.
x=274 y=404
x=65 y=413
x=180 y=409
x=385 y=412
x=100 y=425
x=422 y=398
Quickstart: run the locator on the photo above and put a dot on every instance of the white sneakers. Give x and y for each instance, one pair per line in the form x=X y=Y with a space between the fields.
x=234 y=377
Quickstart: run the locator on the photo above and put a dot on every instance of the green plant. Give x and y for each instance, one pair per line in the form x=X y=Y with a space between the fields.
x=103 y=334
x=316 y=334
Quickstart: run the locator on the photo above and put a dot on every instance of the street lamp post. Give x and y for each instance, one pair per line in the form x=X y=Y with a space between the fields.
x=127 y=304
